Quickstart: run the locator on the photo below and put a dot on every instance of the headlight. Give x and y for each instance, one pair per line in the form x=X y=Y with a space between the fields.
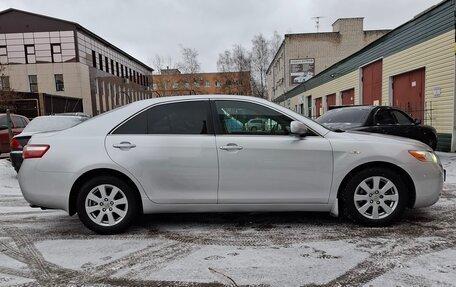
x=424 y=155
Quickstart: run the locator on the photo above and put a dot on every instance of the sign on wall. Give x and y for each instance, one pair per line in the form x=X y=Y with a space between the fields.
x=301 y=70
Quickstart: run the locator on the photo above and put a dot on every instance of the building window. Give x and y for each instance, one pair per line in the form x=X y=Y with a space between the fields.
x=3 y=55
x=208 y=84
x=107 y=65
x=187 y=85
x=112 y=67
x=175 y=85
x=30 y=54
x=56 y=50
x=130 y=74
x=4 y=83
x=197 y=84
x=117 y=69
x=33 y=82
x=218 y=84
x=59 y=82
x=122 y=70
x=100 y=60
x=94 y=59
x=154 y=86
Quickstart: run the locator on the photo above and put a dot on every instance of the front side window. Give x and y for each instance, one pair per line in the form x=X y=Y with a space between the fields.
x=384 y=117
x=18 y=122
x=236 y=117
x=33 y=81
x=401 y=118
x=191 y=118
x=59 y=86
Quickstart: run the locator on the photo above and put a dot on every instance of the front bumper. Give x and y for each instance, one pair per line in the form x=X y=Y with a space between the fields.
x=428 y=178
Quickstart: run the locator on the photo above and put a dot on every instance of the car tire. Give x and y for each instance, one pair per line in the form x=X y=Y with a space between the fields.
x=375 y=197
x=107 y=205
x=432 y=143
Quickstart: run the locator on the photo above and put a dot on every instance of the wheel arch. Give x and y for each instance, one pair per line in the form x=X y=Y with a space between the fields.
x=95 y=173
x=404 y=175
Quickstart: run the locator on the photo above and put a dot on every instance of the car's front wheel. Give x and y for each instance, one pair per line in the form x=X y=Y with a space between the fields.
x=107 y=205
x=375 y=197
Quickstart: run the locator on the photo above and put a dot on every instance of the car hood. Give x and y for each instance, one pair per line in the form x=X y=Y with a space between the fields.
x=342 y=126
x=376 y=139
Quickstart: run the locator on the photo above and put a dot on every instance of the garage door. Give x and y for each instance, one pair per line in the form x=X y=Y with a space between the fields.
x=372 y=84
x=348 y=97
x=408 y=93
x=318 y=107
x=330 y=101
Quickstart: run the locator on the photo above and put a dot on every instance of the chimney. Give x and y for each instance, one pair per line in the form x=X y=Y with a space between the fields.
x=348 y=25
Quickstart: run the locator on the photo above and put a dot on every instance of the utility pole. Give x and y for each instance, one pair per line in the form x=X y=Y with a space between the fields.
x=8 y=125
x=317 y=22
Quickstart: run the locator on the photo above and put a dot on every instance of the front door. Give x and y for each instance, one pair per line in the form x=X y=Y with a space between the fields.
x=170 y=149
x=268 y=165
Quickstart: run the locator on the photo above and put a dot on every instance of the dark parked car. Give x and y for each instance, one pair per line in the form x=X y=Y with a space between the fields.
x=38 y=125
x=379 y=119
x=18 y=123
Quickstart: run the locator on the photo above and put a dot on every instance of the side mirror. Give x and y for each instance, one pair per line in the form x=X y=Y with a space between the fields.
x=298 y=128
x=417 y=122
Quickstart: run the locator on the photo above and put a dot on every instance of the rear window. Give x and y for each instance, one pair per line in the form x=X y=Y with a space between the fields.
x=344 y=115
x=47 y=124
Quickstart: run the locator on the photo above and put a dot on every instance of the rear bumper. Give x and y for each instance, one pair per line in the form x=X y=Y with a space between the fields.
x=44 y=189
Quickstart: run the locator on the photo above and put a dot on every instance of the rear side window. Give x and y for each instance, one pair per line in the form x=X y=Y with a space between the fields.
x=175 y=118
x=18 y=122
x=384 y=117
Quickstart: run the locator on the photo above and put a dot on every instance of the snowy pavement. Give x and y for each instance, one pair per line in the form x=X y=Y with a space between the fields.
x=43 y=248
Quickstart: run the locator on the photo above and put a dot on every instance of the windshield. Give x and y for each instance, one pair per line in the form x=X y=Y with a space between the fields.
x=52 y=123
x=345 y=115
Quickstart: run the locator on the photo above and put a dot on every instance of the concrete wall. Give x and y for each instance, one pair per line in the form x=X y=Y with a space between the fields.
x=75 y=77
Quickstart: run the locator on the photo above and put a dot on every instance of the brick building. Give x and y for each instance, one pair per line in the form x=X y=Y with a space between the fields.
x=171 y=82
x=301 y=56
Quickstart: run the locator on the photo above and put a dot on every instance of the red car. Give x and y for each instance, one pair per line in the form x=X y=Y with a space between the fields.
x=18 y=123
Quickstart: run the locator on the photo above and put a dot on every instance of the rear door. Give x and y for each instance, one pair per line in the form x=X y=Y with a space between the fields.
x=170 y=149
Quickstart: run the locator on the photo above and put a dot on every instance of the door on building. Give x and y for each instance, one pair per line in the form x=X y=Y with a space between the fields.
x=408 y=93
x=318 y=107
x=372 y=83
x=348 y=97
x=330 y=101
x=309 y=106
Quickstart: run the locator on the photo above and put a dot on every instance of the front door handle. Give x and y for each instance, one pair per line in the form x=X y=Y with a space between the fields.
x=124 y=145
x=231 y=146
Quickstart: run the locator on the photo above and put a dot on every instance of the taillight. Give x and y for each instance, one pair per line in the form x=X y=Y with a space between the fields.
x=34 y=151
x=15 y=144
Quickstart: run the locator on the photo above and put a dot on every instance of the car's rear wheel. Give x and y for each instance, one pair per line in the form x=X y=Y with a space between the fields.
x=375 y=197
x=107 y=205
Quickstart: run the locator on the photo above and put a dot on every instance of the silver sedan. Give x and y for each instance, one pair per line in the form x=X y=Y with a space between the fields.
x=188 y=154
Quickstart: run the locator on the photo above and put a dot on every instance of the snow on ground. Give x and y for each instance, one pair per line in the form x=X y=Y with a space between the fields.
x=273 y=249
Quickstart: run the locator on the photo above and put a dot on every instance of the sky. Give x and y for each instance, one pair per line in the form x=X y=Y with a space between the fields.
x=162 y=27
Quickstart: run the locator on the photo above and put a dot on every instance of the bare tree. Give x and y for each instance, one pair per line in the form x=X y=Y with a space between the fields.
x=242 y=60
x=260 y=62
x=189 y=64
x=225 y=62
x=274 y=43
x=160 y=63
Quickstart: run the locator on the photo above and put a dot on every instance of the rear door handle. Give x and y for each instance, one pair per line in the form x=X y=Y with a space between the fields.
x=124 y=145
x=231 y=147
